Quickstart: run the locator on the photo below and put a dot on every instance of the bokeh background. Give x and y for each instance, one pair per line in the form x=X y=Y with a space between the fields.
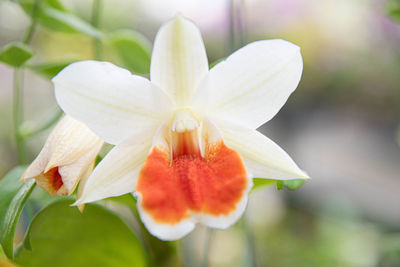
x=340 y=125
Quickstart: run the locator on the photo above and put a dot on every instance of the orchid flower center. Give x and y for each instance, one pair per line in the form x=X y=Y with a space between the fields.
x=185 y=135
x=189 y=171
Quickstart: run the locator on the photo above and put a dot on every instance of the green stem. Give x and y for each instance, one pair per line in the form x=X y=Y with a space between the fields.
x=18 y=110
x=207 y=246
x=30 y=31
x=18 y=97
x=96 y=20
x=236 y=25
x=250 y=254
x=231 y=40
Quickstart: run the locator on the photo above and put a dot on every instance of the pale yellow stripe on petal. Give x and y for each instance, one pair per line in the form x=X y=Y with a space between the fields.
x=179 y=60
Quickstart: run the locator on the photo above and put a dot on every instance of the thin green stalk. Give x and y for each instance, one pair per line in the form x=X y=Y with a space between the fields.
x=231 y=16
x=30 y=31
x=18 y=95
x=236 y=25
x=18 y=110
x=240 y=24
x=207 y=246
x=96 y=20
x=250 y=254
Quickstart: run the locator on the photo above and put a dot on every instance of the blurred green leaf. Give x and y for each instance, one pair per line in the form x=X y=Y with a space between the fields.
x=390 y=248
x=393 y=9
x=53 y=15
x=260 y=182
x=291 y=184
x=38 y=200
x=28 y=5
x=9 y=186
x=62 y=21
x=15 y=54
x=126 y=199
x=133 y=49
x=11 y=216
x=280 y=184
x=160 y=253
x=55 y=4
x=4 y=262
x=49 y=70
x=62 y=236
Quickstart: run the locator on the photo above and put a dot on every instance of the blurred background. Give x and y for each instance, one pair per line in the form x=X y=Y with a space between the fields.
x=340 y=125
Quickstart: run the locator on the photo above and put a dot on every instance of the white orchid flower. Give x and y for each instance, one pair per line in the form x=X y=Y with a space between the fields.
x=186 y=141
x=67 y=157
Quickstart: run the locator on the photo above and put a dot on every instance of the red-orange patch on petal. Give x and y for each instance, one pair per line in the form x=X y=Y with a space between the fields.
x=54 y=178
x=51 y=181
x=213 y=185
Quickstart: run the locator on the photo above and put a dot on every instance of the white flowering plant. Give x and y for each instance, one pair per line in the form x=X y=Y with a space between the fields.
x=185 y=149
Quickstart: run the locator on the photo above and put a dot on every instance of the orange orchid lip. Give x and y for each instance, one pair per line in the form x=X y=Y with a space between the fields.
x=172 y=189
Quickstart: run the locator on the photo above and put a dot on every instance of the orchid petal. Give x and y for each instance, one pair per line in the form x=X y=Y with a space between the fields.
x=165 y=232
x=114 y=103
x=69 y=150
x=179 y=59
x=69 y=141
x=263 y=158
x=252 y=84
x=71 y=174
x=225 y=221
x=117 y=173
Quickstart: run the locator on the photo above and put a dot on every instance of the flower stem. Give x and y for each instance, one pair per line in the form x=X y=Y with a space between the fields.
x=96 y=20
x=30 y=31
x=231 y=40
x=236 y=25
x=207 y=246
x=18 y=94
x=250 y=254
x=18 y=111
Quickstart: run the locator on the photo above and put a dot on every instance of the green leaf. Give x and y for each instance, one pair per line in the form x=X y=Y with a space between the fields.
x=161 y=251
x=15 y=54
x=55 y=4
x=133 y=49
x=4 y=262
x=291 y=184
x=393 y=10
x=49 y=70
x=61 y=21
x=126 y=199
x=280 y=184
x=8 y=225
x=62 y=236
x=9 y=186
x=53 y=15
x=27 y=5
x=260 y=182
